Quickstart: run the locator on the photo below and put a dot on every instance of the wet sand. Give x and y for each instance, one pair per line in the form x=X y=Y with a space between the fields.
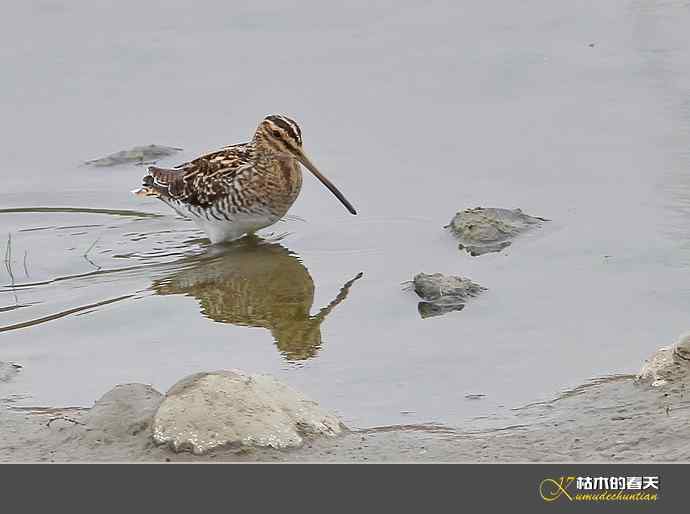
x=608 y=420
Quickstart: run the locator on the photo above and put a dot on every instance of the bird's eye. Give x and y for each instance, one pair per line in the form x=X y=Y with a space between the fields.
x=276 y=133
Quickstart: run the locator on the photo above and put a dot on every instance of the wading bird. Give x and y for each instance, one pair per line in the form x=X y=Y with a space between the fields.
x=241 y=188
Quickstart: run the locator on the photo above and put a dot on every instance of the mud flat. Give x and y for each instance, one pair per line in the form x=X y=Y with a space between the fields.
x=614 y=419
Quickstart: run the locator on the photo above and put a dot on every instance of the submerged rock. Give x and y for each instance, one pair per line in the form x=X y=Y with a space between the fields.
x=668 y=364
x=137 y=155
x=8 y=370
x=484 y=230
x=227 y=408
x=443 y=293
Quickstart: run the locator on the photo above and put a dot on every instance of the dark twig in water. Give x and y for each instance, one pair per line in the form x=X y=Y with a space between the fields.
x=8 y=257
x=86 y=254
x=26 y=270
x=64 y=418
x=8 y=264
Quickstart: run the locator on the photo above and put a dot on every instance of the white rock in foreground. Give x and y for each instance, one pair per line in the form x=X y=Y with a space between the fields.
x=667 y=363
x=230 y=408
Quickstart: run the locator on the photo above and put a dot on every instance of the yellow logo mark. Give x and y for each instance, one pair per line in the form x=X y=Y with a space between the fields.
x=550 y=489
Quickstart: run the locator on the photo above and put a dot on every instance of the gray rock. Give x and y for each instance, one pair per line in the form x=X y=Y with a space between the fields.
x=443 y=293
x=484 y=230
x=230 y=408
x=124 y=411
x=138 y=155
x=8 y=370
x=668 y=364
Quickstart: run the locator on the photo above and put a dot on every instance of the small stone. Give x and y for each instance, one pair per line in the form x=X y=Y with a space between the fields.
x=667 y=364
x=484 y=230
x=123 y=412
x=443 y=293
x=8 y=370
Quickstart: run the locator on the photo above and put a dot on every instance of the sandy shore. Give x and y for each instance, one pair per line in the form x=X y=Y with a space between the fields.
x=608 y=420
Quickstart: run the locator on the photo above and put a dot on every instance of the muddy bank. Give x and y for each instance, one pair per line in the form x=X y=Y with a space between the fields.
x=612 y=419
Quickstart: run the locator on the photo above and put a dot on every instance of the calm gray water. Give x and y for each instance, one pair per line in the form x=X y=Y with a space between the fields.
x=578 y=113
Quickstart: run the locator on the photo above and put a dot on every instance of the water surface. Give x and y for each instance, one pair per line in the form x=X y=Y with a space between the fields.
x=577 y=113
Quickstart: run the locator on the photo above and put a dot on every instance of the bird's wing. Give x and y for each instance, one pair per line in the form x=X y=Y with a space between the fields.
x=202 y=181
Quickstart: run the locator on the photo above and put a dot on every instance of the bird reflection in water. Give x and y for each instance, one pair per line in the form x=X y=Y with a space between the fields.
x=255 y=283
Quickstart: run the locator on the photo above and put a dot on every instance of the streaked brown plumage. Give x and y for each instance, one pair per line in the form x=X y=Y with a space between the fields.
x=240 y=188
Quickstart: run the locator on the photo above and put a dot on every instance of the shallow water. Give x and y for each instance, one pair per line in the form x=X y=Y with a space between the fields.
x=578 y=114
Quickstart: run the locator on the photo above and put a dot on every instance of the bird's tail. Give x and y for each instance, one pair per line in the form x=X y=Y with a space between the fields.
x=158 y=182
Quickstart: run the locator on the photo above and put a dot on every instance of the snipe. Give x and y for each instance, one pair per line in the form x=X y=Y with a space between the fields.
x=241 y=188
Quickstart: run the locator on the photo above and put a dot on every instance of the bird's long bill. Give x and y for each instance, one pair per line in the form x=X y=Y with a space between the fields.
x=307 y=164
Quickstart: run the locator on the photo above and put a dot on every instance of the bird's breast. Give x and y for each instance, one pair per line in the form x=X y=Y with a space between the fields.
x=285 y=184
